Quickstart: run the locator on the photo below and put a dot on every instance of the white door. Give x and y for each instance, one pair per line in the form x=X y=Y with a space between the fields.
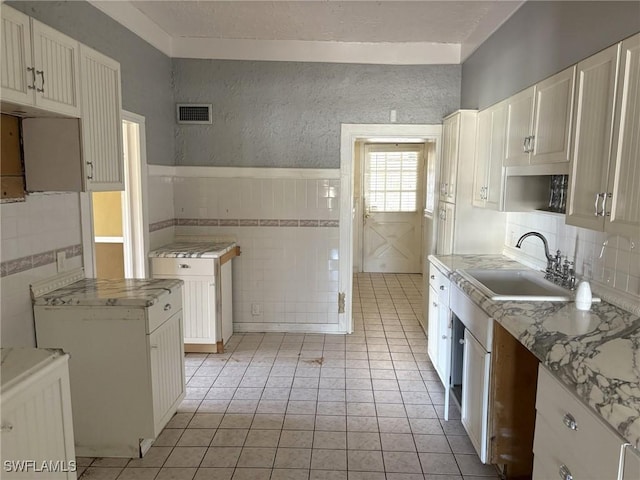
x=393 y=201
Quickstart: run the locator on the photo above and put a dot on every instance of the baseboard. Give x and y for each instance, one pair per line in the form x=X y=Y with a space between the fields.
x=286 y=328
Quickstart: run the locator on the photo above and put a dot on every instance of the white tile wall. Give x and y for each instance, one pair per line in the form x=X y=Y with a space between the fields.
x=617 y=266
x=160 y=204
x=44 y=222
x=290 y=272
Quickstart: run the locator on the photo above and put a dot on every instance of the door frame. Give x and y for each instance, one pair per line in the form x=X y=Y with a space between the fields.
x=136 y=226
x=349 y=135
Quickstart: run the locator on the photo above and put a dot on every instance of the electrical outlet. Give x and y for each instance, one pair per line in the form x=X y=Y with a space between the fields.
x=61 y=261
x=255 y=309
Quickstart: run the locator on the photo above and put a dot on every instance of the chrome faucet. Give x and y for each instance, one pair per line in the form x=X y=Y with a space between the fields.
x=544 y=241
x=557 y=272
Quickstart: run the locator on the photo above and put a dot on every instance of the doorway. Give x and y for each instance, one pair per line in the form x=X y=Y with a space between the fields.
x=117 y=221
x=351 y=208
x=393 y=201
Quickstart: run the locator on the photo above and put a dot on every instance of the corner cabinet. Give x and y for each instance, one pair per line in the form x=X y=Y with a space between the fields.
x=126 y=370
x=539 y=122
x=488 y=178
x=604 y=188
x=101 y=122
x=40 y=66
x=37 y=422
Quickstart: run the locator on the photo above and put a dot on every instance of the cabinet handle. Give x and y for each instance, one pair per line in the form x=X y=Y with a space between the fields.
x=90 y=176
x=443 y=288
x=184 y=265
x=167 y=307
x=461 y=341
x=597 y=212
x=435 y=304
x=154 y=346
x=6 y=427
x=33 y=78
x=604 y=204
x=570 y=421
x=432 y=277
x=565 y=473
x=531 y=141
x=444 y=337
x=41 y=73
x=525 y=145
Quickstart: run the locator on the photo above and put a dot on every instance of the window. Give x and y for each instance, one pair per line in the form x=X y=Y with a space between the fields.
x=391 y=177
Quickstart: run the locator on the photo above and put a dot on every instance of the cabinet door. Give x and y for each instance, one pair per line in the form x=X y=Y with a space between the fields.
x=552 y=128
x=37 y=424
x=16 y=80
x=446 y=213
x=101 y=122
x=167 y=370
x=623 y=206
x=495 y=171
x=483 y=157
x=444 y=340
x=475 y=393
x=590 y=156
x=449 y=168
x=519 y=127
x=432 y=328
x=56 y=60
x=199 y=305
x=630 y=465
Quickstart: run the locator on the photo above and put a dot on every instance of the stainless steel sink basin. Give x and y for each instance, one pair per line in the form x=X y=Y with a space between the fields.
x=516 y=285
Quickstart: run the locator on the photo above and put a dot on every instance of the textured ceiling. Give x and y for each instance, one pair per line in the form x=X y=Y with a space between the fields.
x=355 y=21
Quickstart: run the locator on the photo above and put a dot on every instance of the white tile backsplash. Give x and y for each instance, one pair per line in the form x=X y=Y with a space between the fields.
x=617 y=265
x=291 y=272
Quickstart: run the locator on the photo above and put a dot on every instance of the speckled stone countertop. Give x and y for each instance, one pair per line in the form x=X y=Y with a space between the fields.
x=123 y=292
x=596 y=354
x=193 y=250
x=20 y=362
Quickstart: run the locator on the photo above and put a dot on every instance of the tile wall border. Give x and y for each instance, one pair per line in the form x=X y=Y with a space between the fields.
x=23 y=264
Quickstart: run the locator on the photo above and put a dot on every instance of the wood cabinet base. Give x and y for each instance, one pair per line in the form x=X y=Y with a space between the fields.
x=217 y=347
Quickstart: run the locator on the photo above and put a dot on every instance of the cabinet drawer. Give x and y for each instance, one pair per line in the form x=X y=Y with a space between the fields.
x=182 y=266
x=164 y=308
x=440 y=283
x=594 y=445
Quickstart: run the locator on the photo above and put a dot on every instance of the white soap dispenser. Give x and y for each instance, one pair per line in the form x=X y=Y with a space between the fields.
x=583 y=296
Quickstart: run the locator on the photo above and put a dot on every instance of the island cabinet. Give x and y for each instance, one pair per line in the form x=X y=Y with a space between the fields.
x=570 y=440
x=205 y=269
x=37 y=425
x=126 y=368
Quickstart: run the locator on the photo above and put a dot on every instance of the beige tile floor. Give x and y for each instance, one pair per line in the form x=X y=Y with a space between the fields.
x=366 y=406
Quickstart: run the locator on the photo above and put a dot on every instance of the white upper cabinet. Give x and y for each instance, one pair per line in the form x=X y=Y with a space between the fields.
x=449 y=165
x=40 y=66
x=490 y=145
x=604 y=190
x=623 y=193
x=539 y=122
x=101 y=122
x=590 y=158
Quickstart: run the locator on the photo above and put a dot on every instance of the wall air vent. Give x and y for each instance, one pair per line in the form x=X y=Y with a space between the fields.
x=194 y=113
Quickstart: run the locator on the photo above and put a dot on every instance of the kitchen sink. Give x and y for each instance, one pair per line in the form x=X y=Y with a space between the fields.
x=517 y=285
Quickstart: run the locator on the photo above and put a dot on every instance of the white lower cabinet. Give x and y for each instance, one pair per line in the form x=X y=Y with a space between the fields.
x=36 y=429
x=208 y=306
x=126 y=370
x=475 y=393
x=570 y=441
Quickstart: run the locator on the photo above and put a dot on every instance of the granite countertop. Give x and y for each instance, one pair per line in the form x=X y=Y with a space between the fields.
x=193 y=250
x=120 y=292
x=595 y=354
x=20 y=362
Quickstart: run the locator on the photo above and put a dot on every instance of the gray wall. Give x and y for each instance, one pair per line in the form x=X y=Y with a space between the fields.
x=288 y=114
x=540 y=39
x=146 y=72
